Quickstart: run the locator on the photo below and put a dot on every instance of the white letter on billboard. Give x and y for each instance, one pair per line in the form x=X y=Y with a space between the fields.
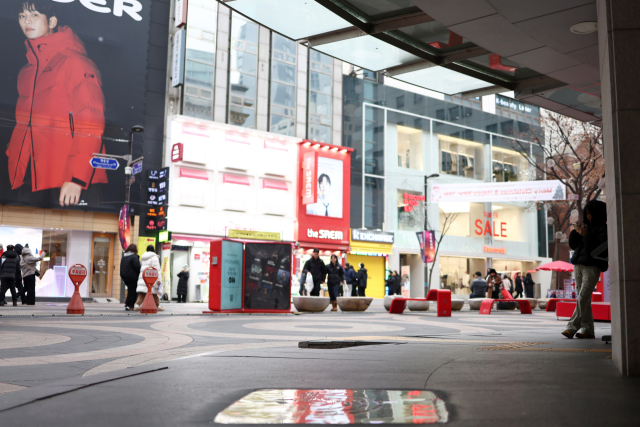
x=132 y=8
x=92 y=5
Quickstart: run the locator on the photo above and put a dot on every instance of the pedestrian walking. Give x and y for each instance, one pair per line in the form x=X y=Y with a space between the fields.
x=519 y=288
x=478 y=286
x=183 y=283
x=335 y=278
x=587 y=235
x=8 y=275
x=28 y=265
x=528 y=286
x=494 y=283
x=507 y=284
x=148 y=259
x=393 y=283
x=19 y=286
x=129 y=273
x=318 y=270
x=361 y=280
x=350 y=277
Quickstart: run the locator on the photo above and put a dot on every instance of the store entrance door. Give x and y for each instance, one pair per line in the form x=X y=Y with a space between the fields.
x=101 y=264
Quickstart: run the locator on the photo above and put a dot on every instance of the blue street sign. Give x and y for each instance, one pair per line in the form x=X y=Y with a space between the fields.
x=137 y=167
x=104 y=163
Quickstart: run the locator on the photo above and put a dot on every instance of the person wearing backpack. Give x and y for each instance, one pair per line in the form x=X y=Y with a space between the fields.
x=129 y=272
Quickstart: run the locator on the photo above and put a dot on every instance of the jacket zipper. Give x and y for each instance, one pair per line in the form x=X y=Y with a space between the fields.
x=30 y=127
x=71 y=124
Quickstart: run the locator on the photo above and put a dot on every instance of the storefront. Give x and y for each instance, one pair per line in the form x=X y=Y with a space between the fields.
x=322 y=202
x=372 y=248
x=223 y=180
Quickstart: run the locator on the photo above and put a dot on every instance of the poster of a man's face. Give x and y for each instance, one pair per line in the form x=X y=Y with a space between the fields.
x=329 y=202
x=72 y=83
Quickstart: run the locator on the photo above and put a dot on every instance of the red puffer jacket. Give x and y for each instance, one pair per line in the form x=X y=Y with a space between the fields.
x=59 y=115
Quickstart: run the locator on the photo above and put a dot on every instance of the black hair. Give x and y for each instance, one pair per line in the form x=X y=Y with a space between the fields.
x=598 y=211
x=478 y=274
x=45 y=7
x=493 y=271
x=324 y=175
x=150 y=248
x=361 y=265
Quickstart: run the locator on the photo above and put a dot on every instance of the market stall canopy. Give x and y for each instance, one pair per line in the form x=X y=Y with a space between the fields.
x=557 y=266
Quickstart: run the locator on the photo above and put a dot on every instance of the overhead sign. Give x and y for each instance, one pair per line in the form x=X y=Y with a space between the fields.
x=255 y=235
x=363 y=235
x=137 y=167
x=177 y=151
x=521 y=191
x=104 y=163
x=177 y=60
x=181 y=13
x=492 y=250
x=309 y=186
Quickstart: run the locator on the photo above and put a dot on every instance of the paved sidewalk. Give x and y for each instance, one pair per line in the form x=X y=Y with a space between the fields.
x=121 y=368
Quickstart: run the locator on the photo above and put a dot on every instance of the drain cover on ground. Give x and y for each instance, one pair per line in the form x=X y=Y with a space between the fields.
x=337 y=344
x=340 y=406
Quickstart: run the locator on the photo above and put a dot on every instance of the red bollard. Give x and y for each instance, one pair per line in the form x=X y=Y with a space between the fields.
x=77 y=274
x=150 y=277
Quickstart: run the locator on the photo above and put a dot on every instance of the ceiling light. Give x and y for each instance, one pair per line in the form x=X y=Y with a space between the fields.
x=584 y=27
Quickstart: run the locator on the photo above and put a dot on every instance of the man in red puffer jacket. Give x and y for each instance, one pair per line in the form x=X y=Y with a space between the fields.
x=60 y=109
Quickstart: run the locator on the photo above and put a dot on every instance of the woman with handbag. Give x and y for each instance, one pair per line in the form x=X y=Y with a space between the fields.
x=29 y=273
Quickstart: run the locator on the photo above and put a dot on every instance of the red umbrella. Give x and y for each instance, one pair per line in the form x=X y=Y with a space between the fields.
x=557 y=266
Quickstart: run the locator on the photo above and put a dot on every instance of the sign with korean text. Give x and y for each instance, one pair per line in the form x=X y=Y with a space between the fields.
x=77 y=273
x=177 y=60
x=181 y=13
x=522 y=191
x=255 y=235
x=309 y=186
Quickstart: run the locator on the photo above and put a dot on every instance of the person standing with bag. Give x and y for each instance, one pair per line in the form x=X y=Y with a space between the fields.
x=335 y=277
x=519 y=289
x=29 y=273
x=129 y=272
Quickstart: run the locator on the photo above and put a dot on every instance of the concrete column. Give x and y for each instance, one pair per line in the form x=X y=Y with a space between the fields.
x=619 y=44
x=417 y=276
x=221 y=94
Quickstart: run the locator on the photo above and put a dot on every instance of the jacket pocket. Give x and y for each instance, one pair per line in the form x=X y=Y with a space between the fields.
x=72 y=126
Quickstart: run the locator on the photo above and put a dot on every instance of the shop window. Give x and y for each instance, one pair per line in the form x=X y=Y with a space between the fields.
x=464 y=215
x=243 y=75
x=508 y=222
x=283 y=85
x=236 y=191
x=410 y=210
x=374 y=141
x=509 y=165
x=373 y=202
x=456 y=273
x=410 y=142
x=461 y=157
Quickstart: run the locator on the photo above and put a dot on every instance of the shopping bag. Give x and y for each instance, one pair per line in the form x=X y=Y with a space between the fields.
x=346 y=291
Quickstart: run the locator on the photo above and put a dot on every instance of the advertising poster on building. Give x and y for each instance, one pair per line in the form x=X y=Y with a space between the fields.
x=72 y=83
x=231 y=280
x=427 y=241
x=522 y=191
x=329 y=196
x=267 y=276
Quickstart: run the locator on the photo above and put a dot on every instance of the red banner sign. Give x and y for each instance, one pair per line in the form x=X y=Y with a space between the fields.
x=309 y=185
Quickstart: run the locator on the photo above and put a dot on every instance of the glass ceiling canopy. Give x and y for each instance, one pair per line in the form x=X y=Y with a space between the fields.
x=391 y=36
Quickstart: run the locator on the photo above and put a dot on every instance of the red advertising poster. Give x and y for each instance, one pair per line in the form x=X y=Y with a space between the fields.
x=427 y=240
x=309 y=187
x=124 y=227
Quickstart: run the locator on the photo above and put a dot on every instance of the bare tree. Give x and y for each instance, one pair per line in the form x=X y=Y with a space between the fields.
x=573 y=155
x=447 y=220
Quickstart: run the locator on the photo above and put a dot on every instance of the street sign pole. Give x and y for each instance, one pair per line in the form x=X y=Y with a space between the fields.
x=128 y=169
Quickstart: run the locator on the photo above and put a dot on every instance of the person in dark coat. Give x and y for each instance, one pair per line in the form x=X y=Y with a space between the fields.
x=19 y=286
x=350 y=277
x=28 y=265
x=183 y=283
x=318 y=270
x=519 y=288
x=10 y=264
x=393 y=282
x=584 y=239
x=129 y=272
x=335 y=278
x=529 y=285
x=361 y=280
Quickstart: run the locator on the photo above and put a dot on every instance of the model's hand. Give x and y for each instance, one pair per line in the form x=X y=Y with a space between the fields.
x=69 y=194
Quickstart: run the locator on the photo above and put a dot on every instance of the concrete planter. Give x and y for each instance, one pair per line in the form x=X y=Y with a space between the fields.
x=542 y=303
x=457 y=304
x=354 y=303
x=474 y=303
x=503 y=305
x=387 y=301
x=533 y=302
x=418 y=305
x=313 y=304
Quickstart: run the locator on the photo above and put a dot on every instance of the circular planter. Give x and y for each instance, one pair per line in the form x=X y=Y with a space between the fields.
x=387 y=301
x=313 y=304
x=457 y=304
x=534 y=303
x=542 y=303
x=418 y=305
x=501 y=305
x=474 y=303
x=354 y=303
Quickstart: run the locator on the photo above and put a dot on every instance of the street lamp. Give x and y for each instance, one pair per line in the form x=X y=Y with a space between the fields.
x=426 y=178
x=128 y=170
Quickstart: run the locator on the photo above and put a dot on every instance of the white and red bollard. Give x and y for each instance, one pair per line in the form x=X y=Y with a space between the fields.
x=150 y=276
x=77 y=274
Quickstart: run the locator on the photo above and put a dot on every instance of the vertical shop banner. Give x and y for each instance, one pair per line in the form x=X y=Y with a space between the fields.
x=267 y=276
x=124 y=227
x=70 y=87
x=181 y=13
x=177 y=62
x=309 y=187
x=165 y=274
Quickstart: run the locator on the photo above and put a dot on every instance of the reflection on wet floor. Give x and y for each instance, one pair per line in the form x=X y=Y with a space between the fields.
x=339 y=406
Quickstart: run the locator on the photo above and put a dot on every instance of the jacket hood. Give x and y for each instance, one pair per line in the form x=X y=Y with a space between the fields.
x=10 y=254
x=363 y=269
x=128 y=253
x=598 y=211
x=148 y=255
x=26 y=251
x=48 y=46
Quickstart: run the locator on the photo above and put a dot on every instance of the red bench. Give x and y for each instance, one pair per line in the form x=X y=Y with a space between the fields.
x=442 y=296
x=551 y=304
x=487 y=303
x=601 y=310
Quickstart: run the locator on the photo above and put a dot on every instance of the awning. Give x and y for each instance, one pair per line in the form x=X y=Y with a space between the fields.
x=275 y=185
x=194 y=173
x=235 y=179
x=275 y=145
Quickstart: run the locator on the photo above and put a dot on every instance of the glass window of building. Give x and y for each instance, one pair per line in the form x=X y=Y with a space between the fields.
x=283 y=85
x=373 y=203
x=467 y=219
x=200 y=59
x=509 y=165
x=410 y=215
x=461 y=157
x=243 y=72
x=411 y=134
x=320 y=96
x=456 y=273
x=374 y=141
x=509 y=222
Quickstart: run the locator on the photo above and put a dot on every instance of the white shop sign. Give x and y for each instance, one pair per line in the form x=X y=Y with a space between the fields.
x=499 y=192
